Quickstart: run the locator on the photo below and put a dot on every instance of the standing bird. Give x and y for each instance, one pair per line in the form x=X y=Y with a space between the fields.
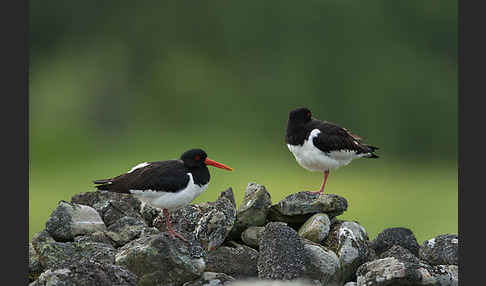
x=320 y=145
x=165 y=184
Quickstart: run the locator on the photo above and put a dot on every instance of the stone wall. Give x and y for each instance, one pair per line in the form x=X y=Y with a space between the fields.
x=103 y=238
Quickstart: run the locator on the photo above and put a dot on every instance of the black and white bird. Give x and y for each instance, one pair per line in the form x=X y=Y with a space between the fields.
x=321 y=146
x=165 y=184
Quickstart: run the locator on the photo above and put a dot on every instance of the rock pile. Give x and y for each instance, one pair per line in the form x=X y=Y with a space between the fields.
x=104 y=238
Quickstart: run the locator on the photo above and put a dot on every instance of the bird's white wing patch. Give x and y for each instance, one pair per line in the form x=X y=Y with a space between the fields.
x=141 y=165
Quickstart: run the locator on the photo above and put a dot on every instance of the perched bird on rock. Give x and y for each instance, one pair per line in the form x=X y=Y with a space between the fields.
x=165 y=184
x=320 y=145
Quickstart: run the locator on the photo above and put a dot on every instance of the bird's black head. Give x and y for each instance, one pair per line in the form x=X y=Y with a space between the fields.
x=194 y=158
x=197 y=158
x=300 y=116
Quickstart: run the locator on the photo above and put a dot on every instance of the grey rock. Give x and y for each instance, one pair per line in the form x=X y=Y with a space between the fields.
x=210 y=222
x=316 y=228
x=251 y=236
x=184 y=220
x=40 y=239
x=111 y=206
x=350 y=242
x=400 y=253
x=70 y=220
x=35 y=268
x=239 y=261
x=266 y=282
x=295 y=209
x=215 y=225
x=282 y=253
x=229 y=195
x=441 y=249
x=160 y=260
x=211 y=279
x=253 y=209
x=446 y=275
x=87 y=274
x=127 y=229
x=99 y=236
x=395 y=236
x=56 y=255
x=391 y=271
x=58 y=277
x=324 y=267
x=351 y=284
x=149 y=213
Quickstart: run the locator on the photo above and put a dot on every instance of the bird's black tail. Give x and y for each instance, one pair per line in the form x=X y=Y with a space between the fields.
x=372 y=149
x=102 y=184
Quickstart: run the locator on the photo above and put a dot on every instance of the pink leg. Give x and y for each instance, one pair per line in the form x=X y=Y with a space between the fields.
x=172 y=233
x=326 y=173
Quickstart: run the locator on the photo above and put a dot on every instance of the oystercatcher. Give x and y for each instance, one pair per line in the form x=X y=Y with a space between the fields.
x=165 y=184
x=320 y=145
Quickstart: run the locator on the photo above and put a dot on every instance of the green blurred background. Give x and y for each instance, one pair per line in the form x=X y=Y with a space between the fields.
x=113 y=84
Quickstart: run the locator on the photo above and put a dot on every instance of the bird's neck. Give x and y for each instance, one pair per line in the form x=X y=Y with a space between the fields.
x=200 y=175
x=295 y=134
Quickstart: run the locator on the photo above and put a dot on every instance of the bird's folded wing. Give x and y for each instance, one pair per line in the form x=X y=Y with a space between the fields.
x=335 y=138
x=167 y=176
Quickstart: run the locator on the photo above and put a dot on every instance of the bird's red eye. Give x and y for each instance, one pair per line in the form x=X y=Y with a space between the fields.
x=197 y=158
x=308 y=114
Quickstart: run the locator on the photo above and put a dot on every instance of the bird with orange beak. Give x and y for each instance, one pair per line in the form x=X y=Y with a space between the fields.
x=166 y=184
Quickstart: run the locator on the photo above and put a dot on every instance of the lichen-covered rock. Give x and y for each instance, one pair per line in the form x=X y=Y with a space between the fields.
x=400 y=253
x=58 y=277
x=127 y=229
x=251 y=236
x=110 y=205
x=324 y=267
x=253 y=209
x=350 y=242
x=35 y=268
x=161 y=260
x=57 y=255
x=184 y=220
x=239 y=261
x=210 y=222
x=149 y=213
x=295 y=209
x=282 y=253
x=441 y=249
x=316 y=228
x=92 y=273
x=391 y=271
x=211 y=279
x=446 y=275
x=99 y=236
x=69 y=220
x=266 y=282
x=395 y=236
x=215 y=225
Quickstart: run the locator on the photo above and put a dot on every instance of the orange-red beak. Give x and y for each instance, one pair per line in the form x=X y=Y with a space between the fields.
x=216 y=164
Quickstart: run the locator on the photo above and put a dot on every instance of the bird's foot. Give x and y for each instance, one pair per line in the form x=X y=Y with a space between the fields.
x=316 y=192
x=174 y=234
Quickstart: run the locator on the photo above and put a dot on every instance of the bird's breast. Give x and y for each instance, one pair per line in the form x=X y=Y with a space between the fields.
x=171 y=200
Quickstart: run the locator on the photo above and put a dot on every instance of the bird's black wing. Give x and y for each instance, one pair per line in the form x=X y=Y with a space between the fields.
x=167 y=176
x=335 y=138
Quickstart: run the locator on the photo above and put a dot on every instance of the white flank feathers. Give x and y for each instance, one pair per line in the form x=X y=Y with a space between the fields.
x=311 y=158
x=168 y=200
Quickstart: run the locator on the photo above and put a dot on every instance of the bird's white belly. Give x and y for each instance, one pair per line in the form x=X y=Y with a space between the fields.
x=169 y=200
x=311 y=158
